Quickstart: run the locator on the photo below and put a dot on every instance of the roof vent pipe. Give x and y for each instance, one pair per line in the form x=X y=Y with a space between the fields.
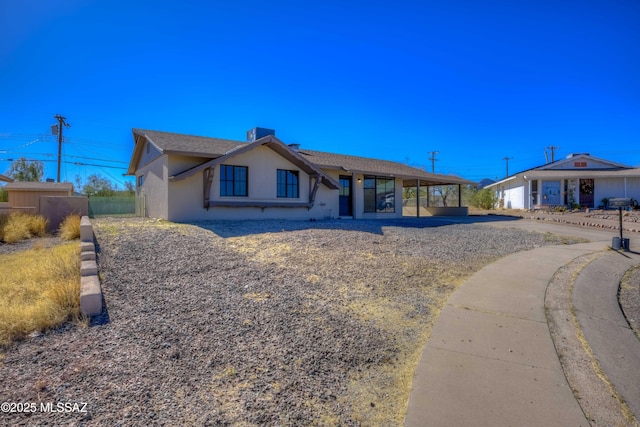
x=294 y=147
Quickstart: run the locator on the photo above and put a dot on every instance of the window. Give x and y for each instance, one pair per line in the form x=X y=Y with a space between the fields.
x=233 y=180
x=579 y=164
x=288 y=184
x=379 y=194
x=140 y=180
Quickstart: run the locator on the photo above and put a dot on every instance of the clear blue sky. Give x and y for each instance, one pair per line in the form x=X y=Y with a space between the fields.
x=475 y=80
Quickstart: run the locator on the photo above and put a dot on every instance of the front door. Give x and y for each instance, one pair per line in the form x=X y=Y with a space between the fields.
x=345 y=196
x=586 y=193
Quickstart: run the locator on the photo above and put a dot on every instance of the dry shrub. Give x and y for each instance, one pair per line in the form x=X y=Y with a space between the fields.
x=42 y=291
x=21 y=226
x=3 y=221
x=70 y=228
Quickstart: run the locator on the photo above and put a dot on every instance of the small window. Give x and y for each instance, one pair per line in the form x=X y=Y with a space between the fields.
x=287 y=183
x=233 y=181
x=140 y=180
x=579 y=164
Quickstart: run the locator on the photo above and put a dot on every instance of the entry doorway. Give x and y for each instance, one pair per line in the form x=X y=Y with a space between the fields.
x=586 y=193
x=345 y=196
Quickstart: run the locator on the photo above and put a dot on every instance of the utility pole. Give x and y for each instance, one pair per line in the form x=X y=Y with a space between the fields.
x=552 y=148
x=61 y=124
x=506 y=159
x=433 y=160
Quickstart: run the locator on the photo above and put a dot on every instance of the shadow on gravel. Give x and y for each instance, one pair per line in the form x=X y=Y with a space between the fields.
x=102 y=318
x=234 y=228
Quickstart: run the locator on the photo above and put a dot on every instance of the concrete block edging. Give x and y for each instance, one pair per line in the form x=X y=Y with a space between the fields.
x=90 y=290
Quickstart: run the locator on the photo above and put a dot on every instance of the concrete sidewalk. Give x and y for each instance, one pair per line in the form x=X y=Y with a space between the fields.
x=604 y=326
x=490 y=359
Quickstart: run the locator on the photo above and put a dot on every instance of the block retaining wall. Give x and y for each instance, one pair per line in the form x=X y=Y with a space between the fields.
x=90 y=291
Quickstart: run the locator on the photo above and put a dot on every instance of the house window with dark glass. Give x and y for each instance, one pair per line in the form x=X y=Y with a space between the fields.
x=233 y=181
x=379 y=194
x=288 y=184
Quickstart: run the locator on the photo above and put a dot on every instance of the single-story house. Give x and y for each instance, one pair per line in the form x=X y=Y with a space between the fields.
x=186 y=178
x=579 y=179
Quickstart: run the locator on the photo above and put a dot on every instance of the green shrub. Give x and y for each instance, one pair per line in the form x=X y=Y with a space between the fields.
x=484 y=199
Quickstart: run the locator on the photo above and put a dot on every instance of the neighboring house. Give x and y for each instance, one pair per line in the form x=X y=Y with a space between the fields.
x=53 y=200
x=186 y=178
x=579 y=179
x=25 y=196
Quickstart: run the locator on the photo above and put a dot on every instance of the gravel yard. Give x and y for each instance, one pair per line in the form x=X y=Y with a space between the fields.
x=253 y=322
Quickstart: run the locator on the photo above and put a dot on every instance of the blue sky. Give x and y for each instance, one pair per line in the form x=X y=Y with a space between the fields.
x=475 y=81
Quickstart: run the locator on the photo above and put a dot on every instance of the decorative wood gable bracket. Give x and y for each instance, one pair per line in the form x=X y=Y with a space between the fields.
x=312 y=191
x=207 y=180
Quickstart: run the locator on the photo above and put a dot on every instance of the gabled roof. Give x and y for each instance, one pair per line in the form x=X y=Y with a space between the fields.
x=583 y=173
x=555 y=170
x=179 y=144
x=273 y=143
x=558 y=164
x=308 y=160
x=39 y=186
x=5 y=178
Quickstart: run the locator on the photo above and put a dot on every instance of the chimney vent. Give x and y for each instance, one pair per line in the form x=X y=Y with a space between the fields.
x=257 y=133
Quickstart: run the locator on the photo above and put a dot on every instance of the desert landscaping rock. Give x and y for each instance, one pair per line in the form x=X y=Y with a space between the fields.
x=245 y=323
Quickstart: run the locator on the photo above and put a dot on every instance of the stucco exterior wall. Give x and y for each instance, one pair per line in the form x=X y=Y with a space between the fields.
x=607 y=188
x=513 y=193
x=154 y=190
x=633 y=188
x=262 y=162
x=149 y=153
x=615 y=187
x=31 y=199
x=587 y=163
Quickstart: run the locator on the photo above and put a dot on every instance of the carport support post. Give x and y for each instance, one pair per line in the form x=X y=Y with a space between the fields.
x=418 y=199
x=428 y=194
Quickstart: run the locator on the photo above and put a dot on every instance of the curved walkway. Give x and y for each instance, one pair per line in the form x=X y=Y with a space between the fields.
x=490 y=359
x=605 y=328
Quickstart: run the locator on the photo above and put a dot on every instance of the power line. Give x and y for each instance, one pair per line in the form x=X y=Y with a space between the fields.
x=70 y=156
x=67 y=162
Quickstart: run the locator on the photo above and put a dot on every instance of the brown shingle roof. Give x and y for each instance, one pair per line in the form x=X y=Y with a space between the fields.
x=175 y=143
x=199 y=146
x=375 y=166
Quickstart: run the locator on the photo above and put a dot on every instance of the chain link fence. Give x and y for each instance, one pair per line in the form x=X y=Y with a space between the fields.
x=117 y=205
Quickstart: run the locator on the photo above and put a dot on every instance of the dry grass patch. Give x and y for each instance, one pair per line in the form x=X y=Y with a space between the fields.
x=42 y=291
x=400 y=294
x=21 y=226
x=70 y=228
